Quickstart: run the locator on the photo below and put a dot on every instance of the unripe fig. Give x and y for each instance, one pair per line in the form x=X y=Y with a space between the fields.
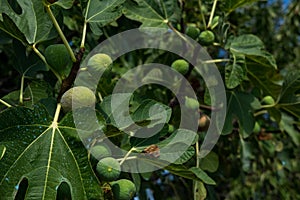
x=100 y=151
x=203 y=122
x=181 y=66
x=192 y=31
x=123 y=189
x=171 y=128
x=98 y=63
x=206 y=37
x=256 y=128
x=77 y=97
x=109 y=169
x=268 y=100
x=57 y=56
x=191 y=103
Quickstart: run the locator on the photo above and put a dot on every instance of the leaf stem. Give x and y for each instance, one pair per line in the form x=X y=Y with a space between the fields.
x=57 y=111
x=83 y=35
x=127 y=155
x=201 y=13
x=179 y=34
x=215 y=61
x=212 y=13
x=44 y=60
x=21 y=90
x=61 y=34
x=5 y=103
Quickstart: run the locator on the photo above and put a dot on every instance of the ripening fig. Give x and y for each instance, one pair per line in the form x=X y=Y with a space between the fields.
x=109 y=169
x=268 y=100
x=98 y=63
x=191 y=103
x=123 y=189
x=206 y=37
x=77 y=97
x=181 y=66
x=100 y=151
x=203 y=122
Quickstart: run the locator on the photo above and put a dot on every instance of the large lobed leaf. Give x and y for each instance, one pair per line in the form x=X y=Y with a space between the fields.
x=38 y=151
x=32 y=24
x=152 y=13
x=231 y=5
x=100 y=13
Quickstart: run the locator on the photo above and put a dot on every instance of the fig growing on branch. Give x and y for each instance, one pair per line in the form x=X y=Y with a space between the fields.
x=100 y=151
x=98 y=63
x=192 y=31
x=123 y=189
x=109 y=169
x=191 y=103
x=181 y=66
x=206 y=37
x=77 y=97
x=268 y=100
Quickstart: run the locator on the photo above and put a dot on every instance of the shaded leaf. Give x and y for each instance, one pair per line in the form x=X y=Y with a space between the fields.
x=287 y=125
x=210 y=162
x=240 y=107
x=236 y=71
x=202 y=175
x=289 y=98
x=231 y=5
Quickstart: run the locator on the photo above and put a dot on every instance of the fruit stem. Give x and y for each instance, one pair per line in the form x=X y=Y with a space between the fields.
x=5 y=103
x=201 y=13
x=44 y=60
x=179 y=34
x=61 y=34
x=260 y=113
x=212 y=13
x=127 y=154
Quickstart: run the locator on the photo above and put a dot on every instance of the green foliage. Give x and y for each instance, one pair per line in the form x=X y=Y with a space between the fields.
x=43 y=44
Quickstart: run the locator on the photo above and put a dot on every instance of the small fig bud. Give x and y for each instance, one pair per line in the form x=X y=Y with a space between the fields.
x=181 y=66
x=77 y=97
x=191 y=103
x=203 y=123
x=268 y=100
x=100 y=151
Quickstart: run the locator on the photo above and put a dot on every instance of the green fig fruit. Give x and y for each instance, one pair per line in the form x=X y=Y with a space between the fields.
x=98 y=63
x=192 y=31
x=109 y=169
x=256 y=128
x=181 y=66
x=77 y=97
x=191 y=103
x=123 y=189
x=268 y=100
x=57 y=56
x=100 y=151
x=206 y=37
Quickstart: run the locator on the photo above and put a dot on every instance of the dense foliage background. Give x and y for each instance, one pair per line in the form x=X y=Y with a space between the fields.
x=256 y=49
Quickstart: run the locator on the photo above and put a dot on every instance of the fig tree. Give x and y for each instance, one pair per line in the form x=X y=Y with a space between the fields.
x=98 y=63
x=181 y=66
x=206 y=37
x=77 y=97
x=100 y=151
x=123 y=189
x=109 y=169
